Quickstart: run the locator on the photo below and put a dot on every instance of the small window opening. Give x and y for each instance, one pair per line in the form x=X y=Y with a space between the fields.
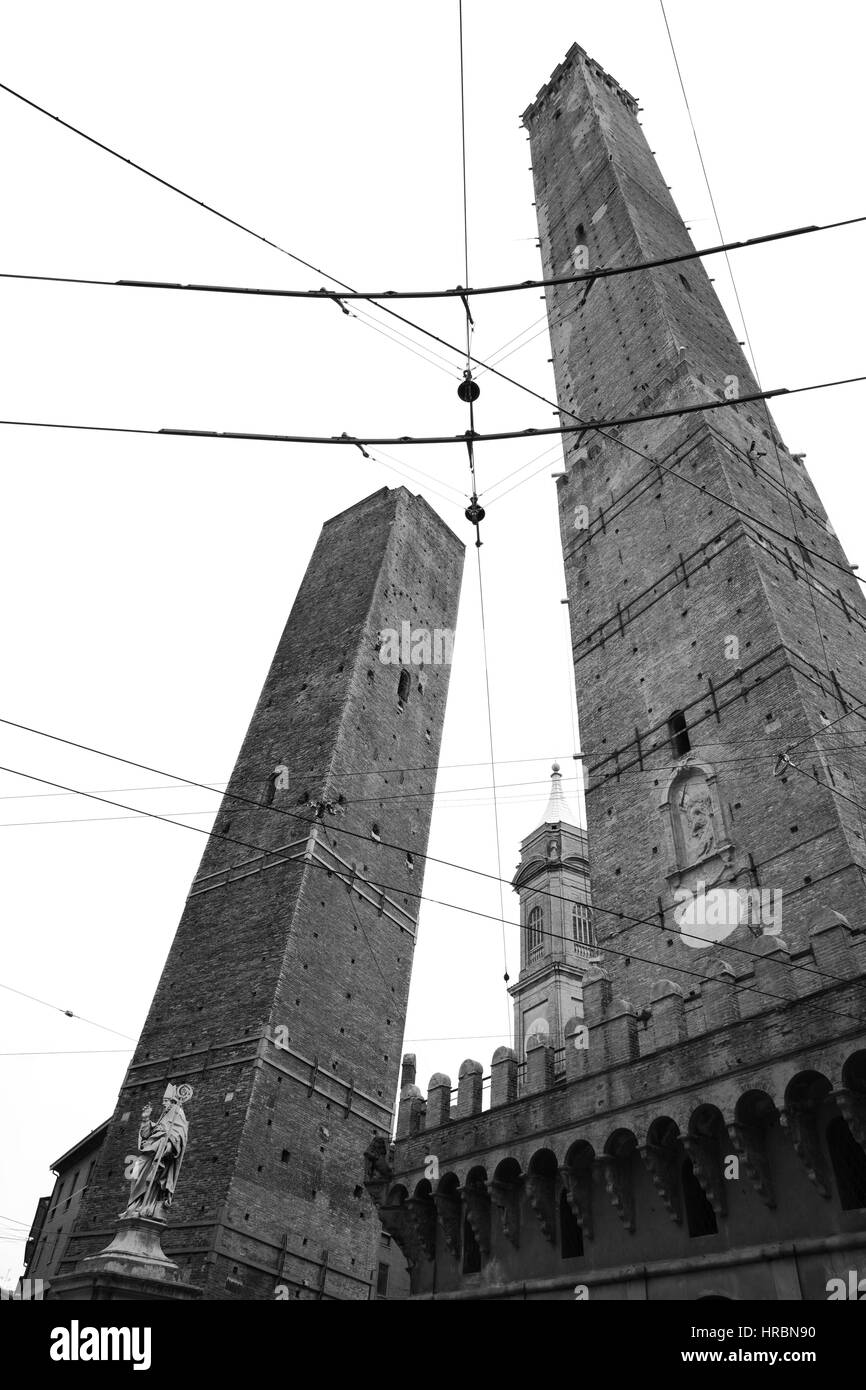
x=404 y=685
x=679 y=734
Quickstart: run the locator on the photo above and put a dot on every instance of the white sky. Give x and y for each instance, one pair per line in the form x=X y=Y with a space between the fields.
x=146 y=581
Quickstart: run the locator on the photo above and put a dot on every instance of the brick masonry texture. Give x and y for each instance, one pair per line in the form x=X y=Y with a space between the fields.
x=283 y=999
x=666 y=572
x=753 y=629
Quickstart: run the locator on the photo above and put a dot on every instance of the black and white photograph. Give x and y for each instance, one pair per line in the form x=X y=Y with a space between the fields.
x=433 y=717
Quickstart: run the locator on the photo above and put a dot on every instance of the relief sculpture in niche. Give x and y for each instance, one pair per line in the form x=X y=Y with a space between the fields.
x=711 y=882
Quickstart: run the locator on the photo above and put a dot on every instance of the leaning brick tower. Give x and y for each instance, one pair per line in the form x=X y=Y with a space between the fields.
x=715 y=620
x=283 y=999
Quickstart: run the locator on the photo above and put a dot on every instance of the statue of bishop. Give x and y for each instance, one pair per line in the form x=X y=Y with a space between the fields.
x=161 y=1147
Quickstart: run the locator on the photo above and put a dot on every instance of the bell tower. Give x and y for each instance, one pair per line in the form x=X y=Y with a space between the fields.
x=556 y=936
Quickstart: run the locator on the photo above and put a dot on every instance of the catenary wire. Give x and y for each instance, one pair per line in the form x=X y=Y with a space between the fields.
x=224 y=217
x=68 y=1013
x=474 y=912
x=376 y=297
x=471 y=436
x=297 y=817
x=526 y=799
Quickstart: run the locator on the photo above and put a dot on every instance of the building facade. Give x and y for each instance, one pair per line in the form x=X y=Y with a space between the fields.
x=704 y=1135
x=56 y=1214
x=283 y=998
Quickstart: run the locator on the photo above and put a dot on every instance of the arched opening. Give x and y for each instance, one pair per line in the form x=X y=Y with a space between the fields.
x=543 y=1164
x=570 y=1234
x=663 y=1132
x=581 y=926
x=535 y=933
x=700 y=1217
x=756 y=1109
x=849 y=1164
x=471 y=1249
x=807 y=1089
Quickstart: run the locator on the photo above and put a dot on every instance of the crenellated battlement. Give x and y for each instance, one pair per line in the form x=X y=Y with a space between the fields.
x=572 y=57
x=616 y=1032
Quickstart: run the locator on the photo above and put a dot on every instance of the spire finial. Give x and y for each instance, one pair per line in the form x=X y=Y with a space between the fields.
x=558 y=808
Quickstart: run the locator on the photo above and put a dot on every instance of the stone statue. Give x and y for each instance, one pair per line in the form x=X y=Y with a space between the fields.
x=154 y=1177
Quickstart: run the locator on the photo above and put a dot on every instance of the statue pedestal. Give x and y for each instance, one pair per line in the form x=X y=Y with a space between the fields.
x=133 y=1266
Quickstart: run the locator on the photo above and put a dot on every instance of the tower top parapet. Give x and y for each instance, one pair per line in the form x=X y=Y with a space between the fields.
x=568 y=62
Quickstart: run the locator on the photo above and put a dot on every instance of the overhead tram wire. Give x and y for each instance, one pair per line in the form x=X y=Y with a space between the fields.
x=531 y=432
x=215 y=212
x=766 y=409
x=295 y=816
x=379 y=298
x=474 y=912
x=334 y=773
x=541 y=782
x=426 y=332
x=468 y=392
x=366 y=295
x=474 y=795
x=68 y=1013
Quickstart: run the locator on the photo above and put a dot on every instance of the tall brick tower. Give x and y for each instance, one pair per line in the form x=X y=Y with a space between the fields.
x=283 y=998
x=715 y=620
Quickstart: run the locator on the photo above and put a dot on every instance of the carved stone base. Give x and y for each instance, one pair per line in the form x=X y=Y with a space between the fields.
x=133 y=1265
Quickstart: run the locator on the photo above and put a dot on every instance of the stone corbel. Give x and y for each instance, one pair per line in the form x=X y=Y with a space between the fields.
x=578 y=1193
x=477 y=1202
x=448 y=1215
x=853 y=1107
x=506 y=1196
x=616 y=1174
x=802 y=1127
x=422 y=1213
x=704 y=1155
x=378 y=1173
x=400 y=1225
x=660 y=1161
x=750 y=1147
x=539 y=1190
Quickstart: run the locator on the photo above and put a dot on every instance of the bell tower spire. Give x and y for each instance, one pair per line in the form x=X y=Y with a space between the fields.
x=557 y=942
